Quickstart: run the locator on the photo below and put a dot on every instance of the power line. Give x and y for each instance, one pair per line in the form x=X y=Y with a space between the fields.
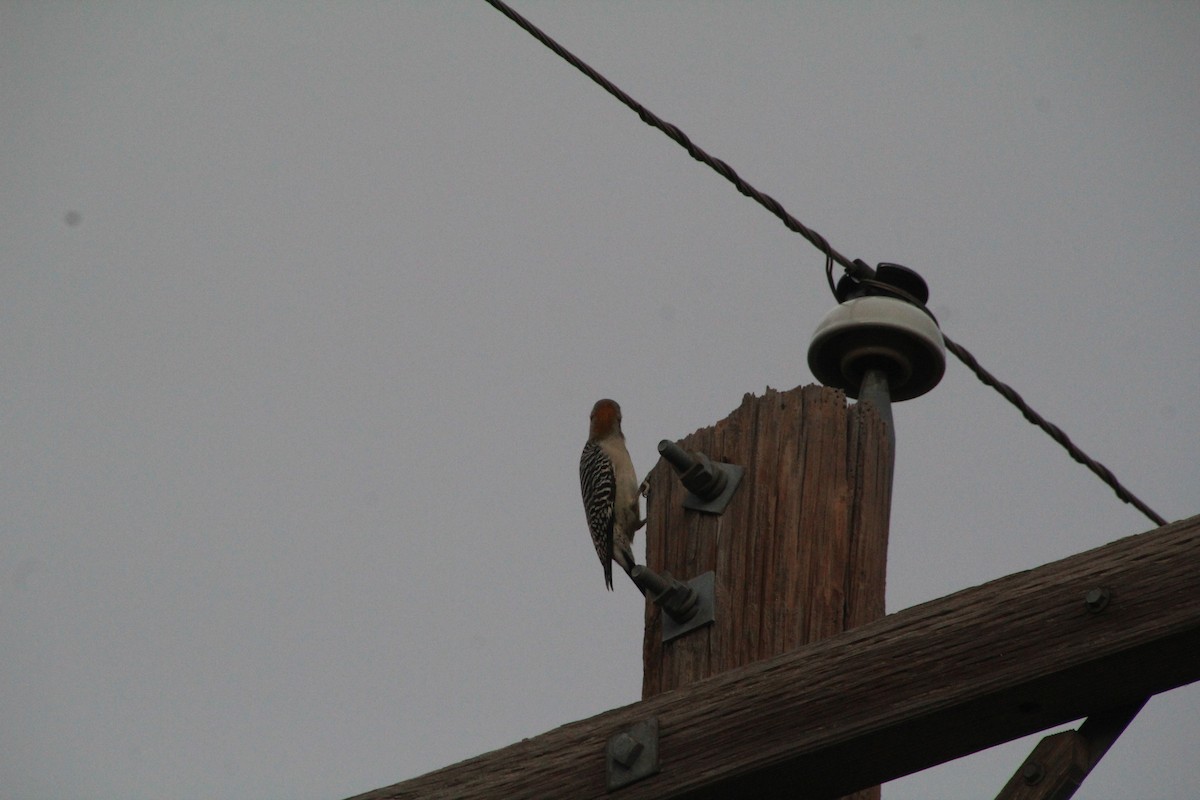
x=856 y=269
x=647 y=116
x=1052 y=430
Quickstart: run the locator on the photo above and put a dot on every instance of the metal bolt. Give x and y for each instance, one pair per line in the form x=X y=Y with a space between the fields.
x=632 y=755
x=698 y=474
x=1032 y=772
x=1096 y=600
x=672 y=596
x=678 y=458
x=625 y=749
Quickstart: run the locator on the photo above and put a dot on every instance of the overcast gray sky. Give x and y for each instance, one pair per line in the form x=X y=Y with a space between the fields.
x=305 y=306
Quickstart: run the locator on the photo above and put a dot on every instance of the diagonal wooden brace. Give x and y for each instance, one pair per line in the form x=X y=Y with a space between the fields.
x=1060 y=762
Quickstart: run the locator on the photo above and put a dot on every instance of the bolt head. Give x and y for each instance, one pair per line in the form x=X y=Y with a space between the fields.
x=1032 y=772
x=1096 y=600
x=625 y=749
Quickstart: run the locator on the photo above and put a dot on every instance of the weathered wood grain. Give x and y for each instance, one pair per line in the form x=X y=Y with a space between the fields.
x=1062 y=761
x=800 y=554
x=891 y=697
x=1053 y=770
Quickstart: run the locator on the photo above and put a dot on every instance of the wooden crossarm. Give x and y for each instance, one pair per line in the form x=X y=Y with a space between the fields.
x=917 y=688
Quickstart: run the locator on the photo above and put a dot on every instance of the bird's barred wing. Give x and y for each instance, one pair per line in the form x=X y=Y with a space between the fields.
x=597 y=480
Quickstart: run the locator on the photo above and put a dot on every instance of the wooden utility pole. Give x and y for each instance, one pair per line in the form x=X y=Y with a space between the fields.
x=789 y=685
x=799 y=555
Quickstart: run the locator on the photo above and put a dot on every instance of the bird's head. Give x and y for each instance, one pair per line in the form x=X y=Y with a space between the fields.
x=606 y=419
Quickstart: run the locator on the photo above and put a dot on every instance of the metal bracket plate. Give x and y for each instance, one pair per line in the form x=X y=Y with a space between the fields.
x=633 y=755
x=705 y=588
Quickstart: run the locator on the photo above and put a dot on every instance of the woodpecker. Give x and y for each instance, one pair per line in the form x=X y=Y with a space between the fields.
x=610 y=489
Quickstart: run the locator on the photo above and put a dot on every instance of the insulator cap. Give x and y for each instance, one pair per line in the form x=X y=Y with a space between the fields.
x=878 y=332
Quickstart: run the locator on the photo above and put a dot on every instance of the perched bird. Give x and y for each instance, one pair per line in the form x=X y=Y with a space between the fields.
x=610 y=489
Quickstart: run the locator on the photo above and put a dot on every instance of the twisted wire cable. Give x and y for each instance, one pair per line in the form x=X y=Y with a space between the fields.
x=856 y=269
x=681 y=138
x=1052 y=430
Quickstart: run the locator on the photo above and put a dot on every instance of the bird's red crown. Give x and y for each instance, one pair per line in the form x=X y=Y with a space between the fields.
x=606 y=415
